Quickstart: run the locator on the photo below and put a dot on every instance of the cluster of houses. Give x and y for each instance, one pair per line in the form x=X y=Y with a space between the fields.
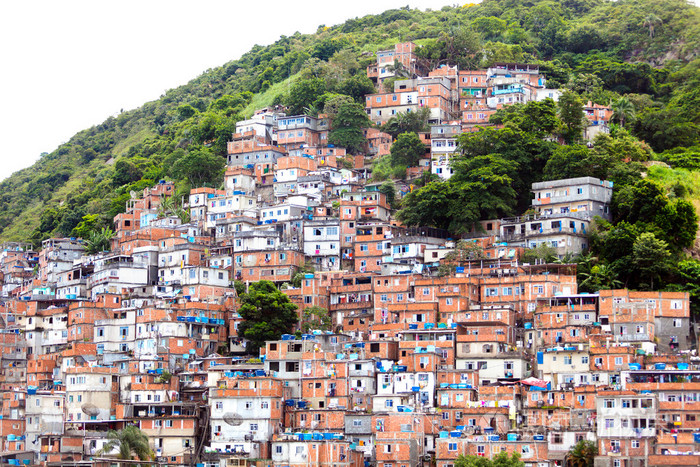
x=417 y=367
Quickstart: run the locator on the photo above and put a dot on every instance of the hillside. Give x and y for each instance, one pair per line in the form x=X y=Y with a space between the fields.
x=647 y=50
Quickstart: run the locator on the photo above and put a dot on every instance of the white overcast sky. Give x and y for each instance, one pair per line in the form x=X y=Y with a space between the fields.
x=67 y=65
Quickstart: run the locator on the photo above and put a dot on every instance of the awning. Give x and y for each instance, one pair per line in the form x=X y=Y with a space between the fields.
x=534 y=382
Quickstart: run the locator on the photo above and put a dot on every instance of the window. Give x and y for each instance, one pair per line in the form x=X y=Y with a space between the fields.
x=253 y=427
x=452 y=447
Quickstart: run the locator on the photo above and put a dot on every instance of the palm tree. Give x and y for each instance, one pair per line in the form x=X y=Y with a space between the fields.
x=650 y=21
x=98 y=241
x=399 y=70
x=582 y=454
x=169 y=206
x=131 y=442
x=623 y=110
x=601 y=276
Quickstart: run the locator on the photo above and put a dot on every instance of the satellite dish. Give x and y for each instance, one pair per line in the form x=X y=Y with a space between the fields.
x=233 y=419
x=133 y=194
x=90 y=409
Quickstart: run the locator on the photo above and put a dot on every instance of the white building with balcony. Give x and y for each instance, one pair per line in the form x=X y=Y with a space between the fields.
x=322 y=244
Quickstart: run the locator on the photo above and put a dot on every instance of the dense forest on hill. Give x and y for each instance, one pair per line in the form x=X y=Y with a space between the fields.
x=642 y=55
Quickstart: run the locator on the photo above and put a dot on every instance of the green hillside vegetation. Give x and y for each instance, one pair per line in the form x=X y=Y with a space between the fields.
x=639 y=56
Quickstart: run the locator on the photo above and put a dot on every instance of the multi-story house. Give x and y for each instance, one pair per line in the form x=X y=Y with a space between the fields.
x=401 y=60
x=626 y=427
x=56 y=256
x=671 y=314
x=246 y=413
x=409 y=95
x=322 y=244
x=584 y=198
x=443 y=144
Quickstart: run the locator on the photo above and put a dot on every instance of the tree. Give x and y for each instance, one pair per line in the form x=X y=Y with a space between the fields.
x=398 y=69
x=651 y=259
x=200 y=167
x=650 y=21
x=483 y=184
x=502 y=459
x=333 y=102
x=98 y=241
x=571 y=161
x=125 y=171
x=665 y=129
x=623 y=110
x=170 y=207
x=490 y=27
x=303 y=94
x=582 y=454
x=679 y=223
x=536 y=117
x=185 y=111
x=267 y=313
x=428 y=206
x=584 y=83
x=601 y=276
x=541 y=253
x=346 y=128
x=315 y=318
x=521 y=148
x=130 y=441
x=89 y=224
x=357 y=87
x=407 y=122
x=407 y=150
x=461 y=47
x=389 y=190
x=465 y=250
x=571 y=115
x=641 y=202
x=301 y=273
x=480 y=188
